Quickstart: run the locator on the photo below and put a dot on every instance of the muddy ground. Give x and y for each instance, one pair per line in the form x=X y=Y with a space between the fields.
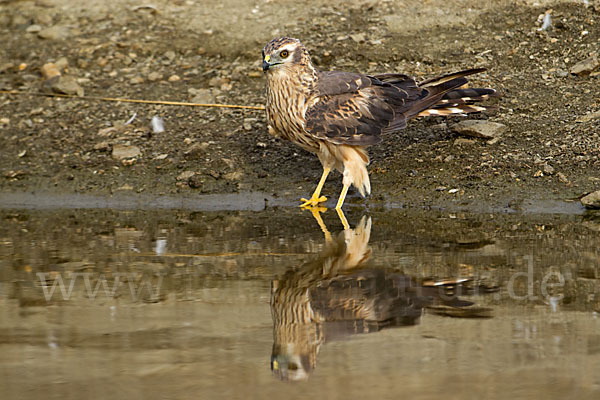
x=209 y=51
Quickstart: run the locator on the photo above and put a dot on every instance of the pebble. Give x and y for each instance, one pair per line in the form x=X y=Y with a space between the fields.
x=154 y=76
x=358 y=37
x=102 y=146
x=62 y=63
x=196 y=150
x=185 y=175
x=548 y=169
x=49 y=71
x=174 y=78
x=170 y=55
x=586 y=67
x=121 y=152
x=195 y=181
x=480 y=129
x=33 y=28
x=591 y=200
x=56 y=32
x=463 y=141
x=589 y=117
x=67 y=85
x=203 y=96
x=562 y=177
x=234 y=176
x=248 y=123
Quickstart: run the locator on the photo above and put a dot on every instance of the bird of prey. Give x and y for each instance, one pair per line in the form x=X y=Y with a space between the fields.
x=336 y=115
x=336 y=294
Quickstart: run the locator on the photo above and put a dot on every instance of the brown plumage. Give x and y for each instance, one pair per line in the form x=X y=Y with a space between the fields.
x=336 y=294
x=336 y=115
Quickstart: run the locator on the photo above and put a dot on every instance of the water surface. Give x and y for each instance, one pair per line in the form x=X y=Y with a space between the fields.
x=261 y=304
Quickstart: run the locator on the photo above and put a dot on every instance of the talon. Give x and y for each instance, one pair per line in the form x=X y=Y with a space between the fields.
x=313 y=201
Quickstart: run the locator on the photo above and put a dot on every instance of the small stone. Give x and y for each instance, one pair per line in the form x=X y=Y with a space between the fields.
x=4 y=121
x=234 y=176
x=128 y=162
x=452 y=191
x=358 y=37
x=585 y=67
x=463 y=141
x=56 y=32
x=480 y=129
x=125 y=187
x=196 y=150
x=589 y=117
x=548 y=169
x=202 y=96
x=102 y=146
x=136 y=80
x=121 y=151
x=33 y=28
x=562 y=177
x=185 y=175
x=591 y=200
x=218 y=81
x=195 y=181
x=14 y=174
x=174 y=78
x=49 y=71
x=154 y=76
x=248 y=123
x=62 y=63
x=67 y=85
x=170 y=55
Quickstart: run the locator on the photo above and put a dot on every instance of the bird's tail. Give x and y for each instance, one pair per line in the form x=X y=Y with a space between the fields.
x=445 y=98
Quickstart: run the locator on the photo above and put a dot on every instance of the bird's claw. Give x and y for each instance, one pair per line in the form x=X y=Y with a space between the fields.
x=312 y=202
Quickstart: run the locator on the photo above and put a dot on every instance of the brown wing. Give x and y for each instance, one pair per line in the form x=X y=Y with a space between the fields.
x=356 y=109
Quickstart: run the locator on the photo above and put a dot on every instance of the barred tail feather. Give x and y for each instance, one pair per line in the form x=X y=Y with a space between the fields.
x=452 y=110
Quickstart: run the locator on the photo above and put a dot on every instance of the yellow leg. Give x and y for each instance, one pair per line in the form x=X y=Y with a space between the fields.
x=316 y=213
x=340 y=202
x=343 y=219
x=316 y=197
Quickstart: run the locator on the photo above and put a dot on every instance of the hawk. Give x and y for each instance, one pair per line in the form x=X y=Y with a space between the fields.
x=336 y=294
x=337 y=115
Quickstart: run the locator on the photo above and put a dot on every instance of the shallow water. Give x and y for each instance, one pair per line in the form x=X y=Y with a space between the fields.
x=164 y=303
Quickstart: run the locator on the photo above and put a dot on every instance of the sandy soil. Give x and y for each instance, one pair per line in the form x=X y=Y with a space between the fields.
x=209 y=51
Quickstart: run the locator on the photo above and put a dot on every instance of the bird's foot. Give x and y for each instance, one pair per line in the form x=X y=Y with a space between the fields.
x=316 y=213
x=314 y=201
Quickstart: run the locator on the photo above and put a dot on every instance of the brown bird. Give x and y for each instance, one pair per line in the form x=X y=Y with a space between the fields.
x=336 y=294
x=336 y=115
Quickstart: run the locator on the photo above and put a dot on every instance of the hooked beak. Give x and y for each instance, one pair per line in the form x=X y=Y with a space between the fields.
x=265 y=64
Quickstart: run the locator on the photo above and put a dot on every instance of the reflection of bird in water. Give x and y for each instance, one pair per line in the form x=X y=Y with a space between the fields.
x=333 y=295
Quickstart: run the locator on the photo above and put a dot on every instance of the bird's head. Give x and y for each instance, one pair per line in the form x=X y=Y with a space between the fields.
x=283 y=53
x=288 y=365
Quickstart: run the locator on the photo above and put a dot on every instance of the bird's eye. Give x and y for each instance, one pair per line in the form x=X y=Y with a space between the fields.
x=292 y=367
x=284 y=54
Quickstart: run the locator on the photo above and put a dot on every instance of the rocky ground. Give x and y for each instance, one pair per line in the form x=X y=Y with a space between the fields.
x=209 y=51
